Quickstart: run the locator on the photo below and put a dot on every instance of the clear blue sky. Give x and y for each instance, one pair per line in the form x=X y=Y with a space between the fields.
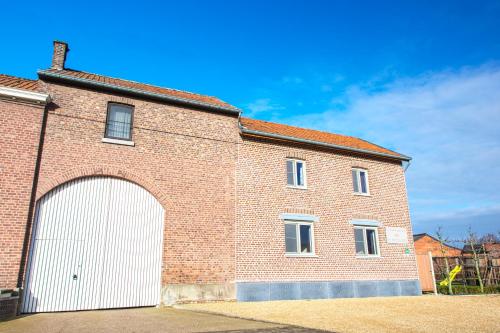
x=421 y=77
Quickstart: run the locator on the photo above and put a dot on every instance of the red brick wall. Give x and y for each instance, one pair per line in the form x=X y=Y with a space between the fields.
x=263 y=195
x=20 y=126
x=428 y=244
x=59 y=54
x=186 y=158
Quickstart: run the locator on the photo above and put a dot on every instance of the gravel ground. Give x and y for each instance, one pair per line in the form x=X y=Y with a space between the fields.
x=381 y=314
x=139 y=320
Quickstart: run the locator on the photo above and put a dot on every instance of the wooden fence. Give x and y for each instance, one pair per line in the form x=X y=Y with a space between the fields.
x=489 y=268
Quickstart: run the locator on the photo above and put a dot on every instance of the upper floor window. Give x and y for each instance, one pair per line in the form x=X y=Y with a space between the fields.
x=119 y=121
x=366 y=239
x=296 y=173
x=360 y=181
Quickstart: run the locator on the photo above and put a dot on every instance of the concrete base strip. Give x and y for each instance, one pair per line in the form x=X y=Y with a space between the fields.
x=269 y=291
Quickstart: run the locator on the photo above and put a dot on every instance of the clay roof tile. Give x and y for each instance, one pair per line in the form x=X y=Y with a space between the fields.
x=19 y=83
x=141 y=86
x=316 y=136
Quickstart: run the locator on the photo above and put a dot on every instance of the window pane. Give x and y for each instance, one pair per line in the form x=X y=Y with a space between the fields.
x=300 y=173
x=371 y=241
x=119 y=120
x=360 y=242
x=289 y=172
x=305 y=239
x=362 y=176
x=291 y=237
x=355 y=180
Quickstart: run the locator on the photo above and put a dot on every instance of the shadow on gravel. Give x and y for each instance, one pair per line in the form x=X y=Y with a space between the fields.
x=286 y=329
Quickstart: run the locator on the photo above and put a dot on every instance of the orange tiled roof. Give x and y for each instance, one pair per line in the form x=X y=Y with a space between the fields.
x=492 y=247
x=18 y=83
x=140 y=86
x=348 y=142
x=251 y=124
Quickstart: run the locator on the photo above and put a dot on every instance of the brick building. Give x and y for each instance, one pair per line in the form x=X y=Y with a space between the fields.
x=116 y=193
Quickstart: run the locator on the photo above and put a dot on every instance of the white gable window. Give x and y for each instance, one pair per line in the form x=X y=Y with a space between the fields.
x=366 y=240
x=360 y=181
x=299 y=238
x=296 y=173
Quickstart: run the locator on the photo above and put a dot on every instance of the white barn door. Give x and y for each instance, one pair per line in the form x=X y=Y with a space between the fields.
x=97 y=244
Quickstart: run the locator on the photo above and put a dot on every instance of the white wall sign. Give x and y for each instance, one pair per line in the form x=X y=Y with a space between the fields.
x=396 y=235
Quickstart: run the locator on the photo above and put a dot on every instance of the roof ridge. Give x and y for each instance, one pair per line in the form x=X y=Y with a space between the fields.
x=137 y=82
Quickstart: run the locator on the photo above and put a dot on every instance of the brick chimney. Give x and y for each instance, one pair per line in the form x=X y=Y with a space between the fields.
x=59 y=55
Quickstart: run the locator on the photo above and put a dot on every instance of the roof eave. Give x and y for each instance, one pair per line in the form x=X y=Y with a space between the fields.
x=24 y=95
x=137 y=92
x=245 y=130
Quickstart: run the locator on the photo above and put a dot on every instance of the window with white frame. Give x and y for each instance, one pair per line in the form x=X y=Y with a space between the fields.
x=299 y=238
x=360 y=181
x=366 y=239
x=296 y=173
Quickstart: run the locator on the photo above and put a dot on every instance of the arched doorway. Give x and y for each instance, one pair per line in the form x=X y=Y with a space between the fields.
x=96 y=244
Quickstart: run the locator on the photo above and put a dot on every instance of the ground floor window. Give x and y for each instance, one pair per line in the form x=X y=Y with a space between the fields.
x=299 y=238
x=366 y=239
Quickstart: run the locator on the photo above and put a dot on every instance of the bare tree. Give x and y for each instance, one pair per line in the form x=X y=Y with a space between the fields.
x=442 y=247
x=475 y=246
x=489 y=238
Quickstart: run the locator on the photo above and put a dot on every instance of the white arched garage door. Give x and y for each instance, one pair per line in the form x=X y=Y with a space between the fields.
x=97 y=244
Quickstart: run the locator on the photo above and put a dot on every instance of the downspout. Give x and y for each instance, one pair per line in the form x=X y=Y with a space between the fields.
x=239 y=120
x=239 y=141
x=31 y=208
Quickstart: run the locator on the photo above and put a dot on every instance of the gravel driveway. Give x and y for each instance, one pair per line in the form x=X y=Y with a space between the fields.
x=417 y=314
x=139 y=320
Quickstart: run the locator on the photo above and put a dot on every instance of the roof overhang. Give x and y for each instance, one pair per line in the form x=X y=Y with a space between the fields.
x=42 y=74
x=24 y=95
x=321 y=144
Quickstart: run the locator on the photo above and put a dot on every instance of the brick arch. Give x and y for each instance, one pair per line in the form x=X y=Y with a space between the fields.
x=49 y=184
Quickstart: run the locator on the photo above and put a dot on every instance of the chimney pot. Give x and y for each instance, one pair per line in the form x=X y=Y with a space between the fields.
x=59 y=55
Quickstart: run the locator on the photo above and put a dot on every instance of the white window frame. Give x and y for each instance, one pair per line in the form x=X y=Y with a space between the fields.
x=358 y=178
x=304 y=172
x=297 y=232
x=365 y=242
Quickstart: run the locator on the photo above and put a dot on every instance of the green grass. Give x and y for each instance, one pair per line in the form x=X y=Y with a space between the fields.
x=469 y=290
